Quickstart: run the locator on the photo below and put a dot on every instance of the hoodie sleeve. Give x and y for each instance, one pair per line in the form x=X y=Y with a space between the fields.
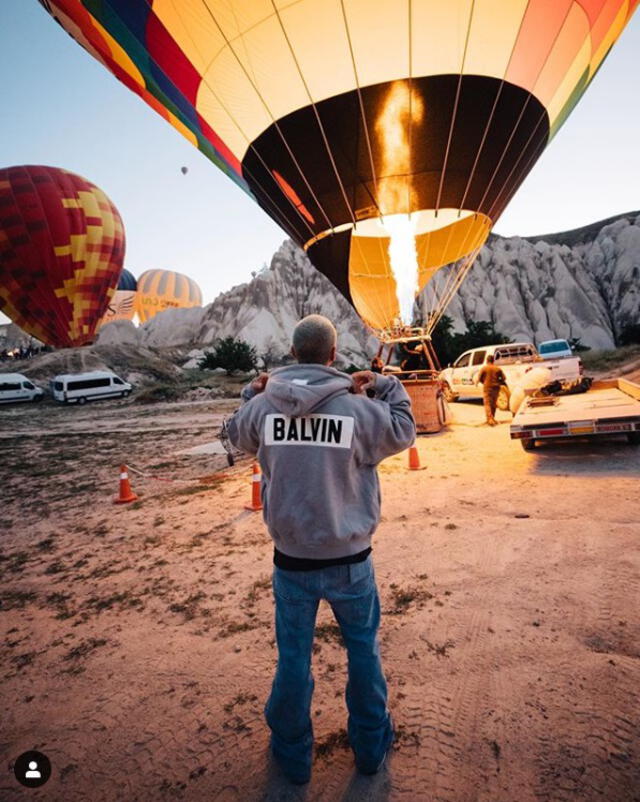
x=247 y=393
x=387 y=426
x=242 y=428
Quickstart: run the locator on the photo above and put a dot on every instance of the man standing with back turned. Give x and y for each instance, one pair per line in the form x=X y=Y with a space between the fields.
x=319 y=439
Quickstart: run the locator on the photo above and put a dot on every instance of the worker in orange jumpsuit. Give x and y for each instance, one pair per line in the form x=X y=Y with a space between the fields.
x=492 y=379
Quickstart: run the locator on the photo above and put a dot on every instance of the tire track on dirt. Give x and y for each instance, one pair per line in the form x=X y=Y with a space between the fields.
x=589 y=750
x=446 y=719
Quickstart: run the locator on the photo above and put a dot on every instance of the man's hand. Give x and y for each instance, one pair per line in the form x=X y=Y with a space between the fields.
x=260 y=382
x=363 y=380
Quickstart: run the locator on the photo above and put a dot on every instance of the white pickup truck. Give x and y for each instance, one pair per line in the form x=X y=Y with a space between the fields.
x=515 y=359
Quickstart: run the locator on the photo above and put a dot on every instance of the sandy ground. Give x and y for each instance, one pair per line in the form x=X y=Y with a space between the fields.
x=137 y=647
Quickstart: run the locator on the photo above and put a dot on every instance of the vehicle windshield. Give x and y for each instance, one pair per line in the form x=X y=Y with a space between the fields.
x=553 y=347
x=463 y=361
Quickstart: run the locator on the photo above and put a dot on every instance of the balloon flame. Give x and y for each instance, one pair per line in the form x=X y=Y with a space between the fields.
x=404 y=262
x=402 y=108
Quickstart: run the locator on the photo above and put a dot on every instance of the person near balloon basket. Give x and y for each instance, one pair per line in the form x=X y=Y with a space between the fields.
x=492 y=379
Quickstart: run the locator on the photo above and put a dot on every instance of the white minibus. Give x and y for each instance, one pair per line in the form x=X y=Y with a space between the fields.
x=16 y=387
x=82 y=387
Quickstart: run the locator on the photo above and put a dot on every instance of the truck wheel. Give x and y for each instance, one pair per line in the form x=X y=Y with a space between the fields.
x=126 y=393
x=449 y=395
x=633 y=438
x=503 y=399
x=529 y=444
x=82 y=400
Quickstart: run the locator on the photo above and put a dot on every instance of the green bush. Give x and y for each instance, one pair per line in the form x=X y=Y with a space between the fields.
x=449 y=346
x=630 y=334
x=577 y=346
x=232 y=355
x=599 y=361
x=157 y=393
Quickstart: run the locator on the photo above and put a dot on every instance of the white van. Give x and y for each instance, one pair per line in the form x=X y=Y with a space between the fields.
x=16 y=387
x=82 y=387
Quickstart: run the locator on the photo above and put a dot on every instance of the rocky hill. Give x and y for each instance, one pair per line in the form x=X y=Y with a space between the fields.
x=262 y=312
x=583 y=283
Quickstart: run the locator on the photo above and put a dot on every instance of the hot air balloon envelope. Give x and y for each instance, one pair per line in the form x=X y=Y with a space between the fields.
x=61 y=251
x=122 y=305
x=334 y=115
x=164 y=289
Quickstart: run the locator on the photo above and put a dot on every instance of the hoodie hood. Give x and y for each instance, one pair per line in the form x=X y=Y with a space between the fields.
x=297 y=390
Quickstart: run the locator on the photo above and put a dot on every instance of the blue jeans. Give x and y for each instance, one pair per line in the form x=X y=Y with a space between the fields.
x=352 y=593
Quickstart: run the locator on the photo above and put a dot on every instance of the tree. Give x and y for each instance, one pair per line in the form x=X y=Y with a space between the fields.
x=442 y=339
x=232 y=355
x=449 y=346
x=630 y=334
x=272 y=356
x=577 y=346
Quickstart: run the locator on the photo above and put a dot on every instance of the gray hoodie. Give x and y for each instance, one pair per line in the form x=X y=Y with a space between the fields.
x=318 y=446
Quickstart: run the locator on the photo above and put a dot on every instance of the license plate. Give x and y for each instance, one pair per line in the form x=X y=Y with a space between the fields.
x=588 y=429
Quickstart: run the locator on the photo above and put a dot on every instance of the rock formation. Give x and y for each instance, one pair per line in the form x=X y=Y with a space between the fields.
x=583 y=283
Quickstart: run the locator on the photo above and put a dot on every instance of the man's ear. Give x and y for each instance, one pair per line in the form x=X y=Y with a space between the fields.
x=332 y=355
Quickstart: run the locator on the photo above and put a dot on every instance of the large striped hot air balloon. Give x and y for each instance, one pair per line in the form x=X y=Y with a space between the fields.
x=385 y=136
x=61 y=251
x=164 y=289
x=123 y=304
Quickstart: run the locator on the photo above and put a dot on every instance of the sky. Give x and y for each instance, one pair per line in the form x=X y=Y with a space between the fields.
x=62 y=108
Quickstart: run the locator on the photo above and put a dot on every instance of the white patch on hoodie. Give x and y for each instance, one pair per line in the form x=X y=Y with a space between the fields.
x=331 y=431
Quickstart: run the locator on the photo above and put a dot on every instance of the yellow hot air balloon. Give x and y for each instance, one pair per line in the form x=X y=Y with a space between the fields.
x=385 y=136
x=164 y=289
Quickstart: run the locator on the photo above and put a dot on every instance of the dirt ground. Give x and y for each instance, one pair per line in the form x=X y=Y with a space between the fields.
x=137 y=647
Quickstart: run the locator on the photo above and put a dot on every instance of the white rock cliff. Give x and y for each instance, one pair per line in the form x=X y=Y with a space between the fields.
x=583 y=283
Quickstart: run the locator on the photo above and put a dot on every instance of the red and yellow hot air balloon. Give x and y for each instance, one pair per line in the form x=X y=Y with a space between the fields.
x=61 y=252
x=385 y=136
x=165 y=289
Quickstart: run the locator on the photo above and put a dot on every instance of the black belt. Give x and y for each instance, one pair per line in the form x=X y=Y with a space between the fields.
x=305 y=564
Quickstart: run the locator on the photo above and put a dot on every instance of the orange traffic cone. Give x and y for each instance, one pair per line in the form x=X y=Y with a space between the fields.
x=256 y=479
x=126 y=493
x=414 y=459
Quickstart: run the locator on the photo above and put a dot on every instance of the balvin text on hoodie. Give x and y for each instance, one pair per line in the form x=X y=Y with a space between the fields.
x=318 y=445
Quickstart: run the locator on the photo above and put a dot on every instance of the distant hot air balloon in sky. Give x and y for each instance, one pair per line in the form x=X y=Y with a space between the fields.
x=164 y=289
x=61 y=252
x=386 y=137
x=122 y=305
x=184 y=170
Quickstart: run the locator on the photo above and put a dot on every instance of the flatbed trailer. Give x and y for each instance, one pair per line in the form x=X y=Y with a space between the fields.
x=608 y=407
